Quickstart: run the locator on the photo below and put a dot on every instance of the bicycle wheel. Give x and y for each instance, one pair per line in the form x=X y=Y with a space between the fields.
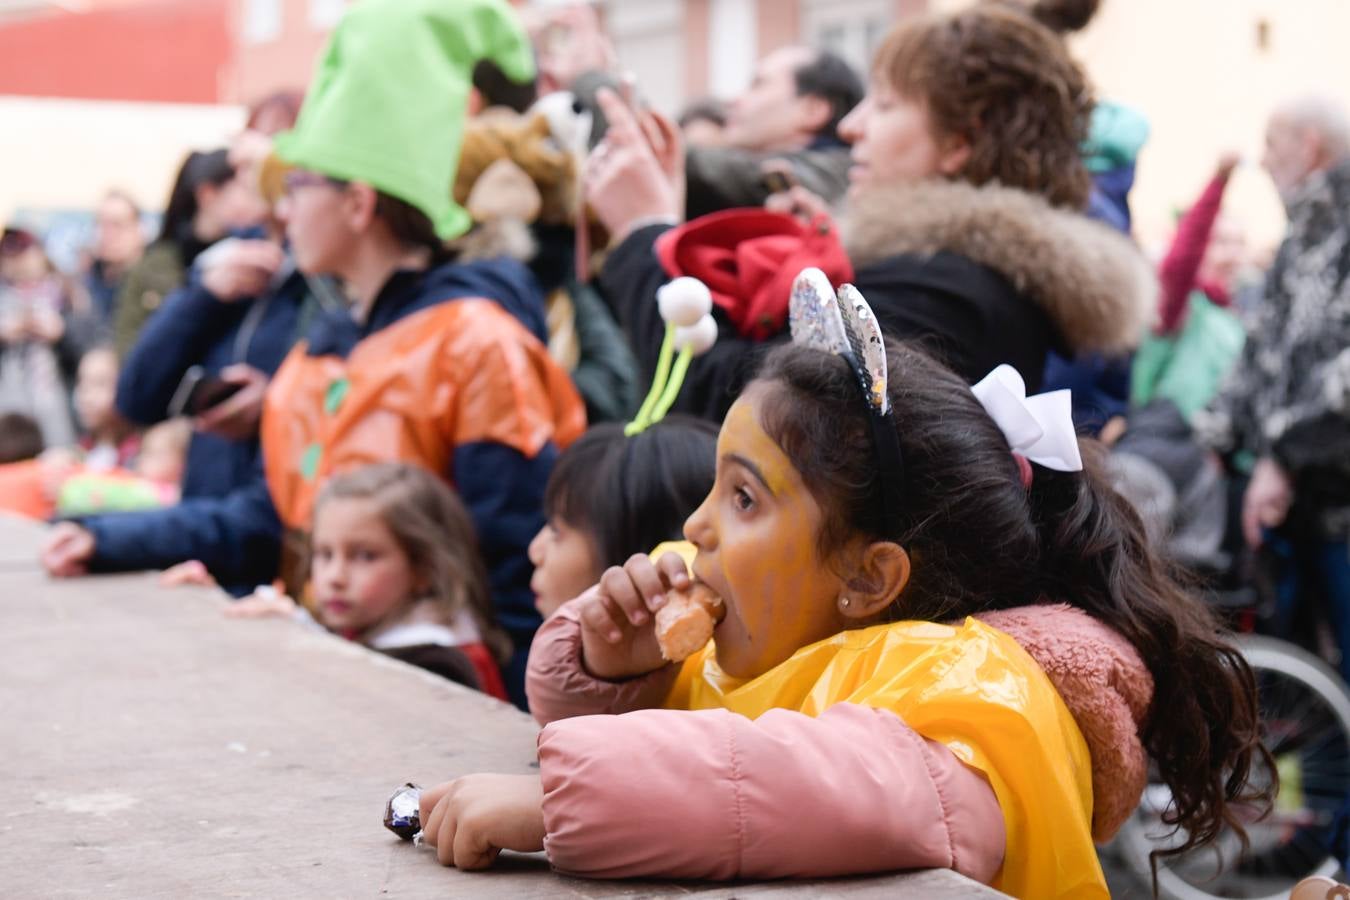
x=1305 y=715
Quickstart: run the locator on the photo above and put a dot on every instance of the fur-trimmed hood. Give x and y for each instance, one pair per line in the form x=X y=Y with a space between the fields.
x=1093 y=283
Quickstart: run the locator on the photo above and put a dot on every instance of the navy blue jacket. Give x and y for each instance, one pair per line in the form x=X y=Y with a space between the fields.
x=193 y=328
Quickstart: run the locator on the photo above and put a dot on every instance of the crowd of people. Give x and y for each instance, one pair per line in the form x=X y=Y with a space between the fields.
x=382 y=371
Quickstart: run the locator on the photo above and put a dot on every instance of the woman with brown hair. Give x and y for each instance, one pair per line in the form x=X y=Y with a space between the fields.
x=208 y=201
x=963 y=219
x=432 y=361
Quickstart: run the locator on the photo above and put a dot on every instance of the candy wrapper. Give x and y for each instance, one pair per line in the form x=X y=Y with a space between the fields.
x=402 y=814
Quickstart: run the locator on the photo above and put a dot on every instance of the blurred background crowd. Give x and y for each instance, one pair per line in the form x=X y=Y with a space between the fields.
x=143 y=264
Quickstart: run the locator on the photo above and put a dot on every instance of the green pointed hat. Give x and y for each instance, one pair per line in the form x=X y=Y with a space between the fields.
x=387 y=103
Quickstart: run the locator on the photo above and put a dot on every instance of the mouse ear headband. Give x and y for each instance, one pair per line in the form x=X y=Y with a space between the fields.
x=1039 y=429
x=843 y=324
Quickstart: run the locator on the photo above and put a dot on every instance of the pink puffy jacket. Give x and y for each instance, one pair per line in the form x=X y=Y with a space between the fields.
x=632 y=790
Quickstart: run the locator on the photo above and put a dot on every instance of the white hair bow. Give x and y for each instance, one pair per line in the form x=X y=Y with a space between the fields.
x=1039 y=428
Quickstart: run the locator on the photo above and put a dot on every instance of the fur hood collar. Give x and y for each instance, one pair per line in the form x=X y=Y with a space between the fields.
x=1092 y=281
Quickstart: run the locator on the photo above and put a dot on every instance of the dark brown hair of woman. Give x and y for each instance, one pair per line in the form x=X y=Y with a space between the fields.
x=1060 y=16
x=1006 y=84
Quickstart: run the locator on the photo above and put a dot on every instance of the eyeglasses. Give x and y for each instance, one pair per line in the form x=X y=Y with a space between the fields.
x=298 y=178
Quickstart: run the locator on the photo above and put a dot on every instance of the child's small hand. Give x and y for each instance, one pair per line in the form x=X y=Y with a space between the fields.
x=618 y=628
x=264 y=603
x=192 y=572
x=472 y=819
x=67 y=551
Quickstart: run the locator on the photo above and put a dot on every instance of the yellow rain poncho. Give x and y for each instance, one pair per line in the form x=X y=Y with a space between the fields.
x=969 y=687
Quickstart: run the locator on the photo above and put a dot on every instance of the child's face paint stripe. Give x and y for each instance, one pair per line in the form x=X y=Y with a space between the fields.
x=758 y=537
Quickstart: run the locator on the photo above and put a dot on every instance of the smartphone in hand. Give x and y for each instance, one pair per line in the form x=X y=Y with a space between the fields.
x=199 y=391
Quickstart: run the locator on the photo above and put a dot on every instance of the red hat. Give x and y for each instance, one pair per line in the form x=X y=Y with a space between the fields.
x=748 y=259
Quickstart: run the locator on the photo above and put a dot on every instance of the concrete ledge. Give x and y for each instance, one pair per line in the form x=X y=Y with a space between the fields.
x=152 y=748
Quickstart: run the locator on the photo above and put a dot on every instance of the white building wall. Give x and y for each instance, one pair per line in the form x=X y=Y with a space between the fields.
x=733 y=50
x=648 y=37
x=74 y=150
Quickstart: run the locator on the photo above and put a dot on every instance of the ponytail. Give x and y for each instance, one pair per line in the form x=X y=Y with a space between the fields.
x=1203 y=731
x=1061 y=16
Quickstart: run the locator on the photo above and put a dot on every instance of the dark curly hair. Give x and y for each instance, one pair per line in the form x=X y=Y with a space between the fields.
x=995 y=77
x=981 y=541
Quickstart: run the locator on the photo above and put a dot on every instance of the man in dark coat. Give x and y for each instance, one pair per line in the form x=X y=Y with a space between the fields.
x=789 y=115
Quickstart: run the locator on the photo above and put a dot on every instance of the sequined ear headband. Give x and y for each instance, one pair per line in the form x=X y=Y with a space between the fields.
x=844 y=324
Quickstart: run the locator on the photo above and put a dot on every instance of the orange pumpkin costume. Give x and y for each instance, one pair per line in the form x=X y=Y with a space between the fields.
x=444 y=379
x=455 y=374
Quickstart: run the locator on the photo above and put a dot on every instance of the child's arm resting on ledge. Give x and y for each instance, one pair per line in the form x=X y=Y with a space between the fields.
x=715 y=795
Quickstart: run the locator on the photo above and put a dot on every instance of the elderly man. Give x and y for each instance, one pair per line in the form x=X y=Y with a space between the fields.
x=789 y=114
x=1285 y=404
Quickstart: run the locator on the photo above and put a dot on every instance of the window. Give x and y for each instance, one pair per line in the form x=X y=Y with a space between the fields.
x=262 y=21
x=850 y=28
x=833 y=38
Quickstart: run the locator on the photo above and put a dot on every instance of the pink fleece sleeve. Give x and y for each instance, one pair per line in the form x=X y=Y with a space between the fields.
x=559 y=687
x=712 y=794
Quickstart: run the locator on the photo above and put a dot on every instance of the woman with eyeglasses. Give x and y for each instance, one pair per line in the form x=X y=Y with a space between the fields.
x=432 y=362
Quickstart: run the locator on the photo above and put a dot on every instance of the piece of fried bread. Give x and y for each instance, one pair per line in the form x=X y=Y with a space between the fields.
x=685 y=624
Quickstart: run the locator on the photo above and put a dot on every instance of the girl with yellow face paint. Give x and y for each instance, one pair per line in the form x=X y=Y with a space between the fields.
x=950 y=663
x=756 y=536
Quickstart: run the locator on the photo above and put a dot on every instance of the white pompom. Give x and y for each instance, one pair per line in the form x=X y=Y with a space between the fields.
x=699 y=337
x=684 y=301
